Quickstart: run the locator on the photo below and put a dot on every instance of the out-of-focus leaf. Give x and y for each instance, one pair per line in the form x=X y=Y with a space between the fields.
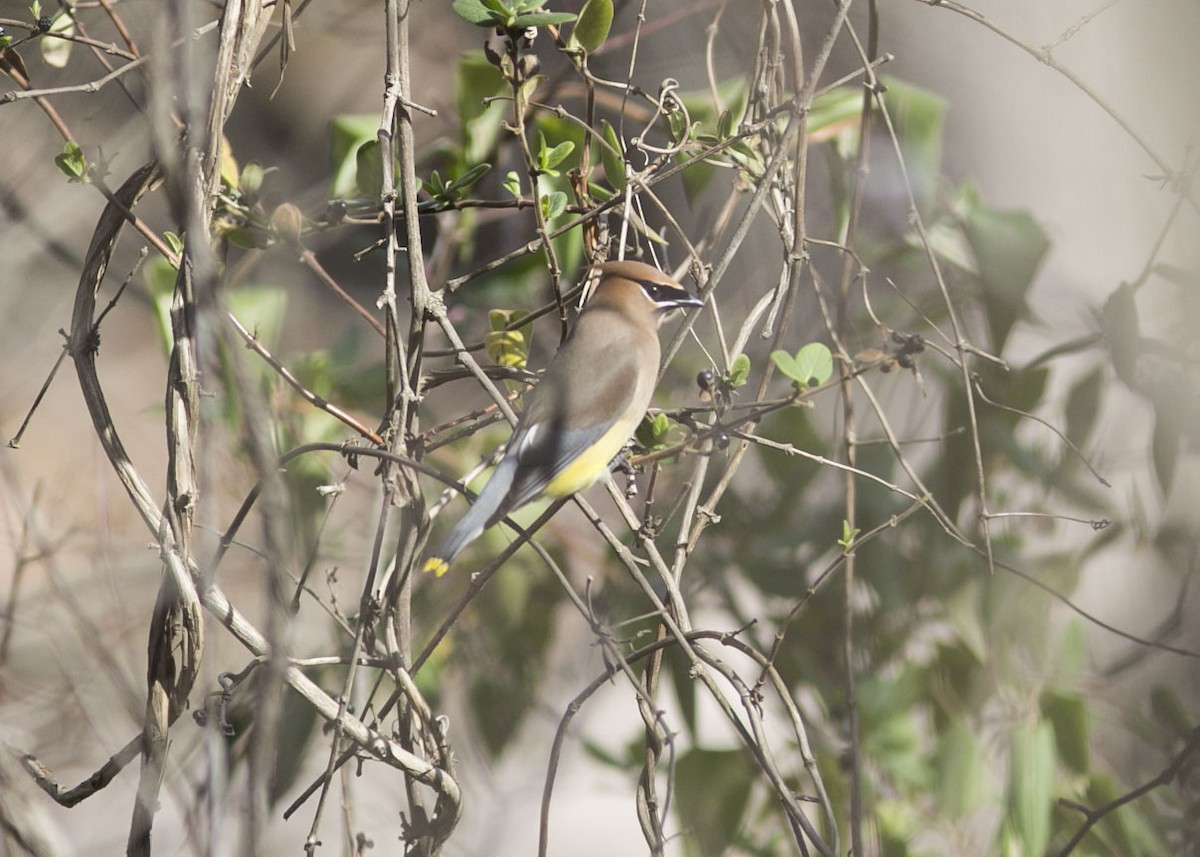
x=260 y=309
x=1119 y=323
x=1031 y=784
x=1169 y=712
x=834 y=112
x=1165 y=449
x=507 y=347
x=1083 y=403
x=368 y=176
x=1071 y=656
x=713 y=789
x=347 y=132
x=481 y=122
x=918 y=117
x=1009 y=247
x=961 y=777
x=1126 y=829
x=1067 y=714
x=595 y=20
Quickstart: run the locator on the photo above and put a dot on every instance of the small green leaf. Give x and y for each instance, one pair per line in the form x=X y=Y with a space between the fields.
x=815 y=363
x=612 y=156
x=474 y=12
x=174 y=242
x=555 y=156
x=595 y=20
x=71 y=162
x=738 y=371
x=849 y=534
x=512 y=183
x=468 y=178
x=554 y=204
x=652 y=431
x=786 y=364
x=811 y=366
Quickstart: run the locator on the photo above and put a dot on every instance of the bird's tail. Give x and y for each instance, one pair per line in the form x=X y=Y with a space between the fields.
x=490 y=506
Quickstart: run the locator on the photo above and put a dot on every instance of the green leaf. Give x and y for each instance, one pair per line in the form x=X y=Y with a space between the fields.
x=553 y=204
x=739 y=370
x=507 y=342
x=652 y=431
x=57 y=52
x=468 y=178
x=612 y=156
x=786 y=364
x=555 y=156
x=541 y=19
x=811 y=366
x=71 y=162
x=595 y=20
x=512 y=183
x=474 y=12
x=815 y=363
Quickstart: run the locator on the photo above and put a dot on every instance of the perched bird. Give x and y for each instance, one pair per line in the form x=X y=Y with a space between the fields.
x=587 y=404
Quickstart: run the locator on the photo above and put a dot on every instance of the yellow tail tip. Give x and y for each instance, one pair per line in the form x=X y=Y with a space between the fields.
x=435 y=566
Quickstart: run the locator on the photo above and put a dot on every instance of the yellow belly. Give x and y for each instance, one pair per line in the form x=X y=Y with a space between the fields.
x=590 y=466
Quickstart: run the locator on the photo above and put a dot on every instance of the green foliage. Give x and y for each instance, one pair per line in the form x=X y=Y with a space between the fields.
x=71 y=163
x=507 y=343
x=811 y=366
x=590 y=31
x=509 y=14
x=739 y=371
x=653 y=430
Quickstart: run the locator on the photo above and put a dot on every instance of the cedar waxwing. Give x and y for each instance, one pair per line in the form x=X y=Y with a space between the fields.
x=586 y=405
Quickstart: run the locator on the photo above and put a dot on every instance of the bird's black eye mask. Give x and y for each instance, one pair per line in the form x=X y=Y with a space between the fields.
x=661 y=293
